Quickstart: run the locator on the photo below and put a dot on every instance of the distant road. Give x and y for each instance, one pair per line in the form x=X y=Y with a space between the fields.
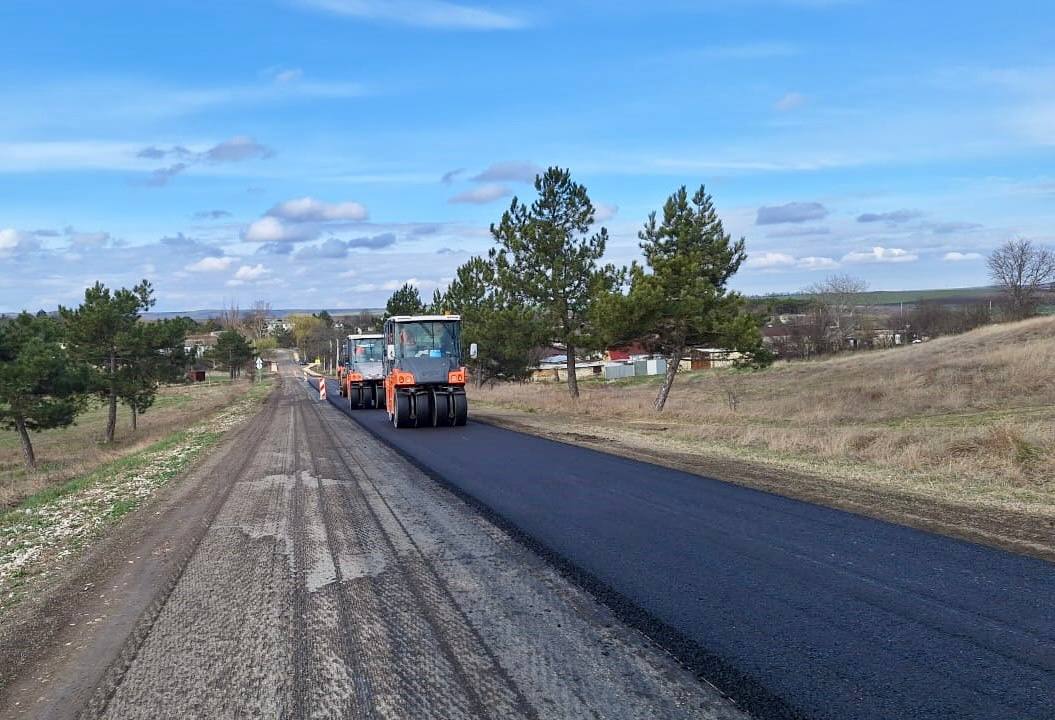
x=794 y=609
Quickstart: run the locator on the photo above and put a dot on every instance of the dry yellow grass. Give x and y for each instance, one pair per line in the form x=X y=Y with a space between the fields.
x=969 y=418
x=74 y=451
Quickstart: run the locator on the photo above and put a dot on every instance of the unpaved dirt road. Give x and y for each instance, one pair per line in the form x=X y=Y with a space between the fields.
x=307 y=571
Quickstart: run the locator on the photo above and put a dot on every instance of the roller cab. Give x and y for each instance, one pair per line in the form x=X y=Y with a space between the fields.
x=362 y=374
x=424 y=376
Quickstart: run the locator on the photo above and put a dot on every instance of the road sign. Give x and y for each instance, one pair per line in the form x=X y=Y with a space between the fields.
x=259 y=364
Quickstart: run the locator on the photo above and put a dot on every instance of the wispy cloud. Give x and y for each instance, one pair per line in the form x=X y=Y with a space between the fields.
x=421 y=13
x=210 y=264
x=272 y=230
x=783 y=261
x=161 y=176
x=961 y=256
x=481 y=195
x=790 y=101
x=211 y=215
x=894 y=216
x=603 y=212
x=794 y=212
x=450 y=175
x=237 y=149
x=307 y=209
x=881 y=255
x=512 y=171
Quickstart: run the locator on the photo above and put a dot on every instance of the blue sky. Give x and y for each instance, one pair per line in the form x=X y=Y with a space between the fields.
x=318 y=153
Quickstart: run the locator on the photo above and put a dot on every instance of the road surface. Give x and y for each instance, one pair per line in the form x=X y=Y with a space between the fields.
x=792 y=608
x=332 y=579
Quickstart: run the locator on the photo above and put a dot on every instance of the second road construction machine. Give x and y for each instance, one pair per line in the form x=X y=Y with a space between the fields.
x=424 y=375
x=361 y=376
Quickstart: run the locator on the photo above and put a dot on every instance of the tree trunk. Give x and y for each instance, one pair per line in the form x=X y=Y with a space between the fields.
x=111 y=415
x=573 y=380
x=27 y=444
x=673 y=363
x=135 y=421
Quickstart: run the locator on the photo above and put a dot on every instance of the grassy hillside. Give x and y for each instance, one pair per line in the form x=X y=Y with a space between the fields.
x=969 y=418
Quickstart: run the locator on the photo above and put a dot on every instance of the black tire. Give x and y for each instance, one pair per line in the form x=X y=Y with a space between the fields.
x=401 y=413
x=375 y=397
x=461 y=408
x=379 y=391
x=441 y=412
x=355 y=397
x=423 y=409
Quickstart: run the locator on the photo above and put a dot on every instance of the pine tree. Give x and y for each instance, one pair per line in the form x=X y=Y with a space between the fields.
x=154 y=354
x=682 y=299
x=505 y=331
x=39 y=386
x=405 y=301
x=546 y=257
x=101 y=333
x=231 y=352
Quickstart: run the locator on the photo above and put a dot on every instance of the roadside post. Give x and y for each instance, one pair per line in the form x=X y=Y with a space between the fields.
x=322 y=388
x=259 y=367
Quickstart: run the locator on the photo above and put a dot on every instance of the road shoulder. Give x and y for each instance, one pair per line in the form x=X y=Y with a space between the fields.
x=85 y=608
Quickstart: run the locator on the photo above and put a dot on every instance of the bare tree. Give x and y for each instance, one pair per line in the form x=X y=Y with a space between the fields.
x=1021 y=270
x=256 y=318
x=839 y=299
x=230 y=317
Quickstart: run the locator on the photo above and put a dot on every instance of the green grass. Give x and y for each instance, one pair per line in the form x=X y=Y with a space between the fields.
x=60 y=520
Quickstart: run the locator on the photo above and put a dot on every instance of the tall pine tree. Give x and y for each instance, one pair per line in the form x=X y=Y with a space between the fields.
x=681 y=297
x=547 y=256
x=101 y=333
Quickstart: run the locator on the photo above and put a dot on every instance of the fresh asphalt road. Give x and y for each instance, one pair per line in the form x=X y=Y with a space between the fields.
x=792 y=608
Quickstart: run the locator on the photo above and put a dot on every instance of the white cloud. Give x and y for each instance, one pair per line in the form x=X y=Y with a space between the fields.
x=817 y=263
x=482 y=194
x=778 y=260
x=309 y=209
x=210 y=264
x=272 y=230
x=421 y=13
x=960 y=256
x=249 y=274
x=881 y=255
x=15 y=242
x=10 y=238
x=790 y=101
x=768 y=260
